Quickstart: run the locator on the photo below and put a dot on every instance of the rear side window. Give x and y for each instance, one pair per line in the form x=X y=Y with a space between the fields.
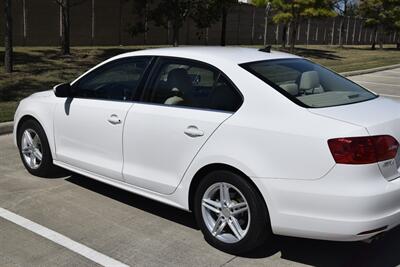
x=308 y=84
x=192 y=84
x=117 y=80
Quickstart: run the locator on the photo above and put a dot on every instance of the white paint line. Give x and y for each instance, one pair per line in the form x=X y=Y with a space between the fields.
x=60 y=239
x=390 y=95
x=386 y=84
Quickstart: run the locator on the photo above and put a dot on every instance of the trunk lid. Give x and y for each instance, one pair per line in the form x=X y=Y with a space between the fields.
x=380 y=116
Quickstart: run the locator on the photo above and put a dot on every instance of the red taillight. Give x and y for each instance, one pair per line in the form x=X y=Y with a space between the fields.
x=363 y=150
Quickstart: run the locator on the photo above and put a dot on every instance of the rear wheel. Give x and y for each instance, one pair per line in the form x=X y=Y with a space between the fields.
x=34 y=149
x=231 y=213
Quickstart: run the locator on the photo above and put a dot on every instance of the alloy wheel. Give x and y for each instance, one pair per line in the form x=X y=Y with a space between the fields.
x=31 y=149
x=225 y=212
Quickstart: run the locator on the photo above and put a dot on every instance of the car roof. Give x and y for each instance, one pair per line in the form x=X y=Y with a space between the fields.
x=212 y=54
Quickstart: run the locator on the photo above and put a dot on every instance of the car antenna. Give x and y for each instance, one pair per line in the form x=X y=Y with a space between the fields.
x=266 y=49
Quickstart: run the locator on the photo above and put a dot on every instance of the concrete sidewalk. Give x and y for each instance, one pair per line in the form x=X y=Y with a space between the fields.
x=6 y=127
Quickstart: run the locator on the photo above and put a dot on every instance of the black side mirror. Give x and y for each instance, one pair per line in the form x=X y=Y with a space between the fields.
x=63 y=90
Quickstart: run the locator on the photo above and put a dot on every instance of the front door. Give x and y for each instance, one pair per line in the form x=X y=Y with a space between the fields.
x=89 y=127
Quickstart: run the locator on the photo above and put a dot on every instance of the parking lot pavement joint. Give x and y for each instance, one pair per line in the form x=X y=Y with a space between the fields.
x=228 y=261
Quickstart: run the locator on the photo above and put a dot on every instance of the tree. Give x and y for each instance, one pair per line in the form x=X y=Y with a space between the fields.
x=172 y=12
x=8 y=46
x=223 y=6
x=205 y=13
x=267 y=5
x=344 y=8
x=141 y=14
x=382 y=16
x=66 y=23
x=293 y=12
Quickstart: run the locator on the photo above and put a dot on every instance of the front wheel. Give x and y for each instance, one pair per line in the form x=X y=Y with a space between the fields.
x=34 y=149
x=231 y=213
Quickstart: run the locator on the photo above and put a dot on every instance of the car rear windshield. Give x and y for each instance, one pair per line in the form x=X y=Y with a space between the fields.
x=308 y=84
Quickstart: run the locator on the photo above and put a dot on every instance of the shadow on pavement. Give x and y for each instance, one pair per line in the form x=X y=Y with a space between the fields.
x=157 y=208
x=382 y=252
x=317 y=53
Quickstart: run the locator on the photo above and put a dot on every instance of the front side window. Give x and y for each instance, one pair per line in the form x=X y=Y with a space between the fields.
x=307 y=83
x=192 y=84
x=117 y=80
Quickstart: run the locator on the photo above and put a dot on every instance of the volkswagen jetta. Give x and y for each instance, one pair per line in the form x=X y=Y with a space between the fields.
x=255 y=143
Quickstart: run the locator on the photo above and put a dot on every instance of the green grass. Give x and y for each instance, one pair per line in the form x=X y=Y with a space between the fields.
x=40 y=68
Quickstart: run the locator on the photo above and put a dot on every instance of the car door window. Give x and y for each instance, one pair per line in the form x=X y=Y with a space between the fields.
x=117 y=80
x=195 y=85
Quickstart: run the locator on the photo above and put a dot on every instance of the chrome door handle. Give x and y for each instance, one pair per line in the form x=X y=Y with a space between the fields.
x=114 y=119
x=193 y=131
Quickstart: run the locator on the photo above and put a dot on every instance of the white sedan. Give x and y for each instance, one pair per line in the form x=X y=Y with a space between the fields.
x=255 y=143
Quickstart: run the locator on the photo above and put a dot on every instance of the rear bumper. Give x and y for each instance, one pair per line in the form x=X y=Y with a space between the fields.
x=350 y=203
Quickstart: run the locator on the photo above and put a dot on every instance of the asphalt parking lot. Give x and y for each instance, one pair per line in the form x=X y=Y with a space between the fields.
x=111 y=224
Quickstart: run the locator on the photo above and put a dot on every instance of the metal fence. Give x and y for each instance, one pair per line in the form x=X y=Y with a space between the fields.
x=106 y=22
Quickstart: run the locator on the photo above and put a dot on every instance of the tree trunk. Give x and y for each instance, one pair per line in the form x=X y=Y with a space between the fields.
x=175 y=35
x=223 y=26
x=65 y=39
x=380 y=37
x=8 y=55
x=374 y=39
x=284 y=34
x=293 y=37
x=341 y=28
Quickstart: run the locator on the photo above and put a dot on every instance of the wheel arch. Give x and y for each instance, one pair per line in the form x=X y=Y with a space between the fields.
x=27 y=117
x=202 y=172
x=23 y=119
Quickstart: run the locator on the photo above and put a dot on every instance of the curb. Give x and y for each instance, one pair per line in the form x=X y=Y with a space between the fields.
x=366 y=71
x=6 y=127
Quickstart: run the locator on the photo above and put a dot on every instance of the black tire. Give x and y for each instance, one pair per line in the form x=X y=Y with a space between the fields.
x=46 y=167
x=259 y=231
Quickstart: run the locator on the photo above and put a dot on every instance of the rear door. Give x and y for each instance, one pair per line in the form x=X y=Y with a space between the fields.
x=186 y=101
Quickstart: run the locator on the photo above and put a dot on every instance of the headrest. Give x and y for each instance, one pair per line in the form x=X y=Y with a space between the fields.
x=179 y=79
x=309 y=80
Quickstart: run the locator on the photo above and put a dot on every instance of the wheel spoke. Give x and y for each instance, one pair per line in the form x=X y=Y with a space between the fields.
x=235 y=227
x=32 y=161
x=239 y=208
x=26 y=151
x=224 y=193
x=220 y=224
x=38 y=154
x=28 y=138
x=212 y=205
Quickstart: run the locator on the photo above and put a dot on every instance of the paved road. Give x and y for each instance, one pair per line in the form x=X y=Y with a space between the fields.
x=141 y=232
x=384 y=82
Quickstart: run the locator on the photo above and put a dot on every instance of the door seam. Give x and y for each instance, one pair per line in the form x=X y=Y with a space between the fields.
x=198 y=151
